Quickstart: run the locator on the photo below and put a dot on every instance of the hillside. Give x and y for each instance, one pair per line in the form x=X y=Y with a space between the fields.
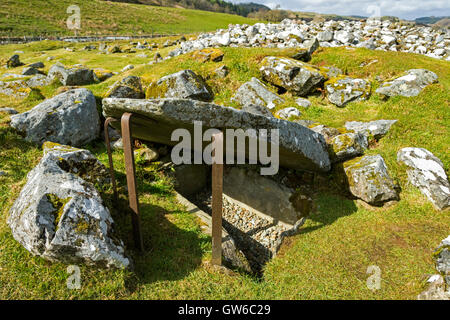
x=242 y=9
x=429 y=20
x=98 y=17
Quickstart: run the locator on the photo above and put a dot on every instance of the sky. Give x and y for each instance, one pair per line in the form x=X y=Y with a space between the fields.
x=405 y=9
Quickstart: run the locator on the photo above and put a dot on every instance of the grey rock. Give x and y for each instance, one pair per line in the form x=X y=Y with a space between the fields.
x=426 y=172
x=128 y=87
x=327 y=132
x=369 y=180
x=442 y=259
x=305 y=103
x=222 y=72
x=331 y=72
x=256 y=93
x=299 y=147
x=286 y=113
x=71 y=76
x=14 y=61
x=377 y=128
x=68 y=118
x=257 y=109
x=436 y=289
x=184 y=84
x=8 y=110
x=38 y=80
x=127 y=68
x=347 y=145
x=295 y=76
x=342 y=90
x=190 y=179
x=325 y=36
x=146 y=154
x=308 y=48
x=17 y=89
x=60 y=216
x=29 y=71
x=408 y=85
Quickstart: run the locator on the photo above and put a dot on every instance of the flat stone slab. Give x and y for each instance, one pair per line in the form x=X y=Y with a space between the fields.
x=299 y=147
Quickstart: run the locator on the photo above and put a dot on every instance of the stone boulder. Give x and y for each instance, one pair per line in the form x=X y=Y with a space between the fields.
x=376 y=129
x=128 y=87
x=17 y=89
x=68 y=118
x=286 y=113
x=102 y=74
x=72 y=76
x=299 y=147
x=208 y=54
x=347 y=145
x=426 y=172
x=442 y=259
x=184 y=84
x=60 y=216
x=308 y=48
x=255 y=92
x=304 y=103
x=341 y=90
x=369 y=180
x=14 y=62
x=295 y=76
x=408 y=85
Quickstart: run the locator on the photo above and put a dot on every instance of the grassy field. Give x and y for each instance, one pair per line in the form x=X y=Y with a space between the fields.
x=98 y=17
x=330 y=256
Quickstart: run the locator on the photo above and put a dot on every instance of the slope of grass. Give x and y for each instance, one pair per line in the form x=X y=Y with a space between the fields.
x=98 y=17
x=330 y=256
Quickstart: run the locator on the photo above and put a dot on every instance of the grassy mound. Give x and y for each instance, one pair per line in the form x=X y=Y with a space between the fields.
x=327 y=260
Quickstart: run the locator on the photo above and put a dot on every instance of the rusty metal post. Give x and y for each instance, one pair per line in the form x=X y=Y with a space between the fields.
x=131 y=179
x=216 y=203
x=111 y=166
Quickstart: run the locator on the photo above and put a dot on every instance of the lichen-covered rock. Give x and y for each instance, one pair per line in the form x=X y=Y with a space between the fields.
x=286 y=113
x=327 y=132
x=102 y=74
x=38 y=80
x=426 y=172
x=68 y=118
x=331 y=72
x=442 y=259
x=295 y=76
x=29 y=71
x=376 y=129
x=347 y=145
x=342 y=89
x=17 y=88
x=435 y=289
x=14 y=61
x=208 y=54
x=408 y=85
x=128 y=87
x=369 y=180
x=72 y=76
x=299 y=147
x=60 y=216
x=184 y=84
x=8 y=110
x=255 y=92
x=308 y=48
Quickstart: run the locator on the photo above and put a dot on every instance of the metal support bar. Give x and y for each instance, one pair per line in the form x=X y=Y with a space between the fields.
x=131 y=179
x=216 y=203
x=111 y=165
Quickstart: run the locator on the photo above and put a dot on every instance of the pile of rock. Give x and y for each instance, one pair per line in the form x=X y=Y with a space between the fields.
x=372 y=34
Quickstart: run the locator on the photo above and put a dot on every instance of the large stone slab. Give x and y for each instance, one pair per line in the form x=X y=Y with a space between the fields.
x=299 y=147
x=408 y=85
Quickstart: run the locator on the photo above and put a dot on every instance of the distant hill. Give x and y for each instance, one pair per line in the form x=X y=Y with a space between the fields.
x=242 y=9
x=429 y=20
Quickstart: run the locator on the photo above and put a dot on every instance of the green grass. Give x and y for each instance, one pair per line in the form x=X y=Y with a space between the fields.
x=327 y=260
x=98 y=17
